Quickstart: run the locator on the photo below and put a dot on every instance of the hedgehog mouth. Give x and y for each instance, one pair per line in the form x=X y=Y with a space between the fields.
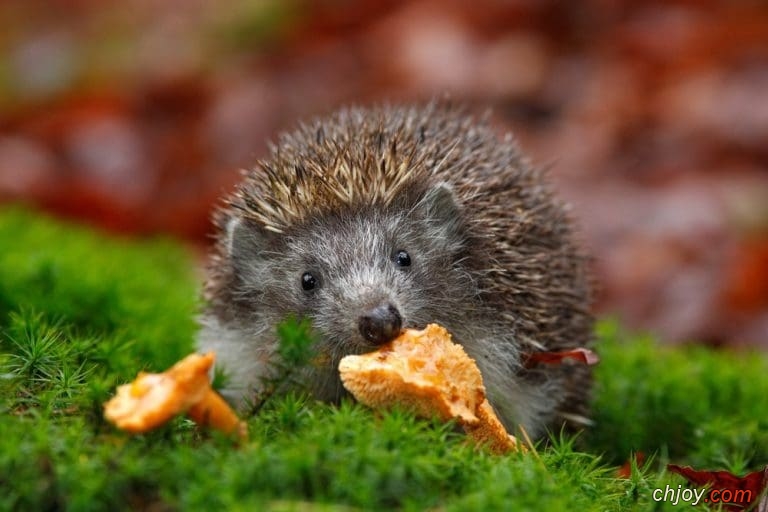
x=353 y=342
x=357 y=344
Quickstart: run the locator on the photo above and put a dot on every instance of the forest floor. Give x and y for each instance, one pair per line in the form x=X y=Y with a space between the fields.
x=81 y=312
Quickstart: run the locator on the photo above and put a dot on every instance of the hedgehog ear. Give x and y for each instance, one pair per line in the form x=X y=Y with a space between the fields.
x=244 y=241
x=440 y=209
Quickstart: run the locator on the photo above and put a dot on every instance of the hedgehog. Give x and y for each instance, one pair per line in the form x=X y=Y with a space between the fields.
x=376 y=219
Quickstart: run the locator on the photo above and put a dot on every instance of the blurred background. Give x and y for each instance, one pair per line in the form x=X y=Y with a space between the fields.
x=652 y=117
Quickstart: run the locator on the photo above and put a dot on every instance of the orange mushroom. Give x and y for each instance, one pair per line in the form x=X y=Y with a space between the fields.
x=154 y=398
x=429 y=374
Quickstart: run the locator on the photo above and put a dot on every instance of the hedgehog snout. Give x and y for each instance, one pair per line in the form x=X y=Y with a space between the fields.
x=380 y=324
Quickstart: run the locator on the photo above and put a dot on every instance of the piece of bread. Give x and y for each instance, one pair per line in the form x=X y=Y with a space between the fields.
x=429 y=374
x=154 y=398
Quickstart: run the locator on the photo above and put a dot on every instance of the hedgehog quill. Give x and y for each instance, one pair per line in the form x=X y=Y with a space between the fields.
x=373 y=220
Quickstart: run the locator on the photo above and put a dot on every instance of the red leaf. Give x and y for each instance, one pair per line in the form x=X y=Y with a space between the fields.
x=625 y=471
x=581 y=355
x=754 y=482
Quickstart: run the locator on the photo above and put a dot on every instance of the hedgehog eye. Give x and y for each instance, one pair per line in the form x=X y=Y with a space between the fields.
x=402 y=259
x=309 y=282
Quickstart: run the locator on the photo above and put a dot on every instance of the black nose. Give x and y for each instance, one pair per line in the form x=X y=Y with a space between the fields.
x=381 y=324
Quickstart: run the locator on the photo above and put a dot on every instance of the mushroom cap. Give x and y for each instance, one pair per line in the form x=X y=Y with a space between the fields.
x=420 y=370
x=154 y=398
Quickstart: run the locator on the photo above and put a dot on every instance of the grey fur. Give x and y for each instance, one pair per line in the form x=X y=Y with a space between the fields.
x=493 y=257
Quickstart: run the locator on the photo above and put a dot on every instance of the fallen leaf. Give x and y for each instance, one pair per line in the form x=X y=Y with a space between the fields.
x=625 y=471
x=580 y=355
x=754 y=482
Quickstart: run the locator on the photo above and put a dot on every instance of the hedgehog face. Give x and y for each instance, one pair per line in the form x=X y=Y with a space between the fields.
x=361 y=274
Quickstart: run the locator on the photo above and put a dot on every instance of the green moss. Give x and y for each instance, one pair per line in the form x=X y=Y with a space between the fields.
x=128 y=301
x=82 y=312
x=709 y=407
